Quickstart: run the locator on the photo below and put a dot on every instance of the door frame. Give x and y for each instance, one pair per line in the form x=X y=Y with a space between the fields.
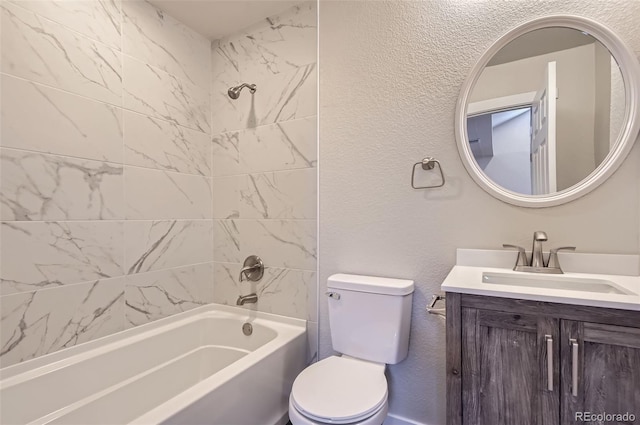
x=497 y=104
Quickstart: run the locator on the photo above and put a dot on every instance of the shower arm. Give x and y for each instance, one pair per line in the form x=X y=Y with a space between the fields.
x=234 y=92
x=251 y=87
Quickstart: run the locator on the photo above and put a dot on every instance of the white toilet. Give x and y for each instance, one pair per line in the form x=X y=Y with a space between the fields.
x=369 y=319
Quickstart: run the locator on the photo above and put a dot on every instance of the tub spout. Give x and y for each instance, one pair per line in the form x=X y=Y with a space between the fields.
x=247 y=299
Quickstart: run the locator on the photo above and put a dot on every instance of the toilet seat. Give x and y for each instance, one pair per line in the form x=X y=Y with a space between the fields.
x=298 y=418
x=340 y=390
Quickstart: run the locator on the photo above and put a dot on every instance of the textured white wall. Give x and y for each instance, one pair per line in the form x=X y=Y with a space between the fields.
x=390 y=74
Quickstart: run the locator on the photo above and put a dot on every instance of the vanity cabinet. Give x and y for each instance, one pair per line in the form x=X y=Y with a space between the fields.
x=608 y=369
x=516 y=362
x=504 y=368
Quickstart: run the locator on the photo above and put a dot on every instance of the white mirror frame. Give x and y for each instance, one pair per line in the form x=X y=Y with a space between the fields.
x=630 y=69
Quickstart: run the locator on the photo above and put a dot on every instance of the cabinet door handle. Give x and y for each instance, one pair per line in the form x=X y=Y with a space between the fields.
x=574 y=366
x=549 y=340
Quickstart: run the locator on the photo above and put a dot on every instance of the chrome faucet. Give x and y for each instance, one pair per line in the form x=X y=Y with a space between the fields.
x=536 y=252
x=247 y=299
x=252 y=269
x=537 y=264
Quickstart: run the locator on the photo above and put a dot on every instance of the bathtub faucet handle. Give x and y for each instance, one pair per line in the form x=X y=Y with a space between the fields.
x=252 y=269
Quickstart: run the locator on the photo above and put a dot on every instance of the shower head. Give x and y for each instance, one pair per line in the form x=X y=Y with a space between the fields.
x=234 y=92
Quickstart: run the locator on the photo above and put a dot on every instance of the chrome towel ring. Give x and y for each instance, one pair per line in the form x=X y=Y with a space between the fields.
x=428 y=163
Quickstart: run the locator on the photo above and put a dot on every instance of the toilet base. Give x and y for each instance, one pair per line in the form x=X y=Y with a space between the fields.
x=298 y=418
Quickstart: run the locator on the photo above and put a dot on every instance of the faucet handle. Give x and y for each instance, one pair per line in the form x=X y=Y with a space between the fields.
x=521 y=260
x=252 y=269
x=554 y=263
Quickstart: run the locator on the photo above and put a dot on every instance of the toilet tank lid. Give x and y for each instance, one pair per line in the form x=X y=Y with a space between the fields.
x=373 y=284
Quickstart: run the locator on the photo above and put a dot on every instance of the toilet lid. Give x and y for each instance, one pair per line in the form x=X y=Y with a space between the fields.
x=340 y=389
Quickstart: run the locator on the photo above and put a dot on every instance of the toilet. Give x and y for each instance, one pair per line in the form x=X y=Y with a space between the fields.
x=369 y=319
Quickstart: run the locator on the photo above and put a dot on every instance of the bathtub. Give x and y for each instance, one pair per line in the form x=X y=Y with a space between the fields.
x=196 y=367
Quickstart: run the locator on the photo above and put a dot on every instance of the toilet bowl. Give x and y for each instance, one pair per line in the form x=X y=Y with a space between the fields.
x=340 y=390
x=369 y=319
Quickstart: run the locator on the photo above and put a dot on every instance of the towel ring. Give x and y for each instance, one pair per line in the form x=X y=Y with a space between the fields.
x=428 y=163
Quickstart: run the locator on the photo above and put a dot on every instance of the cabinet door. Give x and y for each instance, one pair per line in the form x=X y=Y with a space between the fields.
x=507 y=376
x=600 y=371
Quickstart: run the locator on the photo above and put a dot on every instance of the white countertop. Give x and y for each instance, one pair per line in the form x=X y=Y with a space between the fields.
x=466 y=278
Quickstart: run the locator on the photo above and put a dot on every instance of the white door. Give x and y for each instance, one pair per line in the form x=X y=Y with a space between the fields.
x=543 y=135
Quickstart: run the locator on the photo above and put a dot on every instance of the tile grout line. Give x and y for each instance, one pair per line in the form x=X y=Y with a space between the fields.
x=317 y=167
x=146 y=220
x=123 y=164
x=121 y=107
x=256 y=173
x=213 y=196
x=268 y=267
x=72 y=30
x=112 y=105
x=225 y=132
x=124 y=191
x=102 y=279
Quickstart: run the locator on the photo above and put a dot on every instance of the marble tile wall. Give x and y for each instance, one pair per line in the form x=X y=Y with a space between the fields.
x=265 y=164
x=105 y=171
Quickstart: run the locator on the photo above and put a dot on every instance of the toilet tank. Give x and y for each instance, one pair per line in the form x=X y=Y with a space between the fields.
x=370 y=316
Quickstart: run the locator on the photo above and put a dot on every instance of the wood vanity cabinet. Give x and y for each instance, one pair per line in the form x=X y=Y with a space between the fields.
x=511 y=362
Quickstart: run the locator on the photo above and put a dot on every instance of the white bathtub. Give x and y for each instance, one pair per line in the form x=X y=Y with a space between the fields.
x=192 y=368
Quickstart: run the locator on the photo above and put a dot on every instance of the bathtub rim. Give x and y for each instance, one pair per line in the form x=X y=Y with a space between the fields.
x=64 y=357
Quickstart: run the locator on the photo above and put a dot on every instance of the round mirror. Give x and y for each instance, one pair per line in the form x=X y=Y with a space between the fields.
x=549 y=111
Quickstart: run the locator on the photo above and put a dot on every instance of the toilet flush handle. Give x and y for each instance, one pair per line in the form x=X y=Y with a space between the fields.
x=333 y=295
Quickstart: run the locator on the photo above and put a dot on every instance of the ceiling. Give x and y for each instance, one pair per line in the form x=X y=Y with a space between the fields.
x=218 y=18
x=541 y=42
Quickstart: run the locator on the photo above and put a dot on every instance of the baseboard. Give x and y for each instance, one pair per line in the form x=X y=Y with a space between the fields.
x=399 y=420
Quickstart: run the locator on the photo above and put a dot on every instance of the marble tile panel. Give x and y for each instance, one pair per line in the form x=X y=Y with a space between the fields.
x=231 y=114
x=281 y=97
x=312 y=342
x=100 y=20
x=289 y=96
x=66 y=124
x=226 y=153
x=283 y=194
x=40 y=50
x=41 y=322
x=280 y=243
x=226 y=196
x=281 y=146
x=154 y=245
x=154 y=295
x=154 y=143
x=151 y=91
x=226 y=241
x=223 y=65
x=153 y=194
x=46 y=187
x=275 y=45
x=37 y=255
x=281 y=291
x=156 y=38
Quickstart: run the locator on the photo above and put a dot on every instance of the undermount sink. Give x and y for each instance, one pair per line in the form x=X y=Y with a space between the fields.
x=555 y=282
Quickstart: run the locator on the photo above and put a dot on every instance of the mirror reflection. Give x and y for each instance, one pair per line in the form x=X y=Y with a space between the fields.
x=545 y=111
